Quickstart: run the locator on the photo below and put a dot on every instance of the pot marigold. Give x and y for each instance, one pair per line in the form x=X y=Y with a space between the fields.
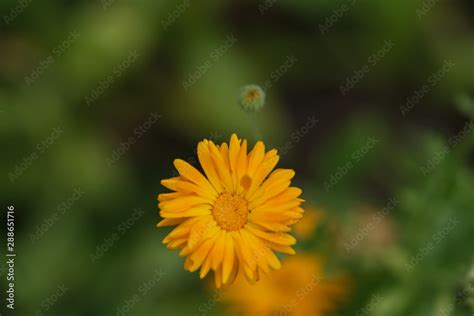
x=232 y=218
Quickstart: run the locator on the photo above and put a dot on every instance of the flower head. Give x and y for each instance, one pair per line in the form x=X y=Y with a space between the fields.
x=301 y=287
x=232 y=218
x=251 y=98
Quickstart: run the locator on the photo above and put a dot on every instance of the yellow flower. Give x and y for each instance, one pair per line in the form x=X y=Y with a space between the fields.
x=231 y=219
x=301 y=287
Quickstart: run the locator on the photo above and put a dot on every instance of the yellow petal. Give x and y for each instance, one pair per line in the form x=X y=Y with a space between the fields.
x=177 y=184
x=235 y=270
x=175 y=244
x=246 y=264
x=187 y=263
x=224 y=173
x=276 y=209
x=224 y=149
x=283 y=249
x=258 y=249
x=273 y=261
x=266 y=255
x=218 y=278
x=198 y=256
x=185 y=251
x=191 y=212
x=256 y=157
x=273 y=185
x=278 y=175
x=170 y=183
x=228 y=262
x=277 y=222
x=169 y=222
x=181 y=230
x=205 y=228
x=207 y=163
x=263 y=170
x=192 y=174
x=218 y=250
x=278 y=238
x=287 y=195
x=242 y=163
x=234 y=150
x=182 y=203
x=206 y=265
x=276 y=227
x=169 y=196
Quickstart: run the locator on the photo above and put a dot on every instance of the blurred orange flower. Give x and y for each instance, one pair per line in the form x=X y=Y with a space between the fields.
x=300 y=287
x=307 y=225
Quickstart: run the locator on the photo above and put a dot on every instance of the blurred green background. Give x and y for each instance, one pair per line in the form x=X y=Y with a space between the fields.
x=98 y=97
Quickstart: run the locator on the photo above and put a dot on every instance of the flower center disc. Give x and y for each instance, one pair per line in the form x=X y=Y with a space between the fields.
x=230 y=211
